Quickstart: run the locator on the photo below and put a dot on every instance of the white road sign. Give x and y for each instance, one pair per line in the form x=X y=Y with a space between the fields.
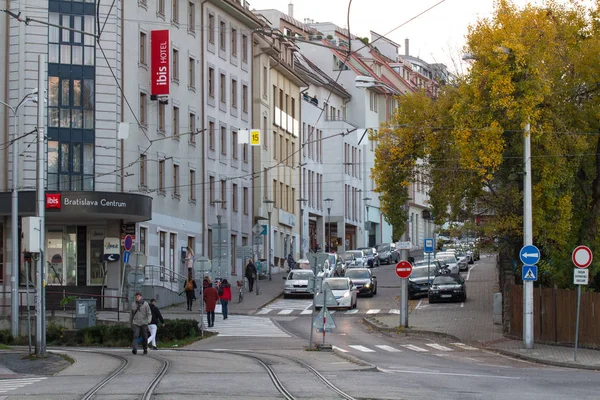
x=581 y=276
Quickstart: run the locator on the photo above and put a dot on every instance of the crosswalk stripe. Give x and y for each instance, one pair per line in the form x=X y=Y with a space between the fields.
x=374 y=311
x=361 y=348
x=263 y=311
x=388 y=348
x=414 y=348
x=7 y=385
x=247 y=326
x=352 y=311
x=305 y=312
x=285 y=312
x=393 y=311
x=339 y=349
x=464 y=346
x=438 y=347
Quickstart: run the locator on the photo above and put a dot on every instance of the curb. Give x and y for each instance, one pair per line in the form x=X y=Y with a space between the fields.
x=541 y=361
x=355 y=360
x=382 y=328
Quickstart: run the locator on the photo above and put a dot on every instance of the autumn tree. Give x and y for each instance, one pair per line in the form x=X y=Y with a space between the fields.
x=535 y=65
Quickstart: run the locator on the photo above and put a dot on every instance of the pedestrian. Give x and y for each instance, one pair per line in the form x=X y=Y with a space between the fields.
x=225 y=296
x=250 y=274
x=291 y=262
x=210 y=303
x=156 y=316
x=206 y=282
x=140 y=317
x=189 y=287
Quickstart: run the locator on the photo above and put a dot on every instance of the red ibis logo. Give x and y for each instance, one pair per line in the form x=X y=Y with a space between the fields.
x=52 y=200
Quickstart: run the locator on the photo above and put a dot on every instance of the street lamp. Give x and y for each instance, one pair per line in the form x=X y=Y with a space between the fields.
x=269 y=204
x=366 y=200
x=302 y=203
x=328 y=201
x=15 y=215
x=219 y=204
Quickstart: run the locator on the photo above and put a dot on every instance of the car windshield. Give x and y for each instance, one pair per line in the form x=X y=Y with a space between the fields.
x=422 y=272
x=356 y=254
x=346 y=256
x=445 y=279
x=358 y=274
x=383 y=247
x=338 y=284
x=447 y=259
x=424 y=264
x=368 y=251
x=300 y=275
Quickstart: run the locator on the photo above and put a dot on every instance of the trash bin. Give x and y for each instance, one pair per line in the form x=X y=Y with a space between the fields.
x=85 y=313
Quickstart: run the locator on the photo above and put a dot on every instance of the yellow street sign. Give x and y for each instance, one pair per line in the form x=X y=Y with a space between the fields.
x=255 y=137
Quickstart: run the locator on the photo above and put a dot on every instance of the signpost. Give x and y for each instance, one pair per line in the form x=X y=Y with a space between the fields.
x=324 y=321
x=582 y=258
x=530 y=256
x=403 y=270
x=428 y=249
x=529 y=273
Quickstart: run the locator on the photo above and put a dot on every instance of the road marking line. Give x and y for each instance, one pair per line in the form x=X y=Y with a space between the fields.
x=388 y=348
x=394 y=311
x=361 y=348
x=462 y=305
x=397 y=371
x=339 y=349
x=352 y=311
x=263 y=311
x=285 y=312
x=438 y=347
x=374 y=311
x=304 y=312
x=414 y=348
x=464 y=346
x=419 y=304
x=469 y=273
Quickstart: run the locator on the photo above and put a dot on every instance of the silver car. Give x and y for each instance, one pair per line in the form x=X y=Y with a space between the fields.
x=360 y=258
x=299 y=282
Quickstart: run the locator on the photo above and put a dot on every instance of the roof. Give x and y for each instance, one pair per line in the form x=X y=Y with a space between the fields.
x=308 y=69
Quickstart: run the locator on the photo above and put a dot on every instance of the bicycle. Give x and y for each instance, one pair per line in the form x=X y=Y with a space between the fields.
x=240 y=285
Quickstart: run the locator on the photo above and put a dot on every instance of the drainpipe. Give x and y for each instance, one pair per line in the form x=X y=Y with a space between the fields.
x=203 y=139
x=122 y=94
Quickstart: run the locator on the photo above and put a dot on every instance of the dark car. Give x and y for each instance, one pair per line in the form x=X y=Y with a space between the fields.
x=372 y=256
x=448 y=287
x=364 y=280
x=387 y=253
x=418 y=284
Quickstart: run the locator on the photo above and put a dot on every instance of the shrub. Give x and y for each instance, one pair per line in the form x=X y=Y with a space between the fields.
x=179 y=329
x=6 y=337
x=55 y=334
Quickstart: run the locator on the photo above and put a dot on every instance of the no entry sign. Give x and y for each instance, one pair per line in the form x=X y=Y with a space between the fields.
x=404 y=269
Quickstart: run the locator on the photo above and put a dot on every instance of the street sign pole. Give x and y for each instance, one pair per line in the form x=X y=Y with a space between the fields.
x=577 y=321
x=403 y=270
x=582 y=258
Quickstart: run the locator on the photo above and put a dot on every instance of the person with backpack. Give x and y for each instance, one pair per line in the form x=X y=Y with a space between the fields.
x=225 y=296
x=211 y=296
x=156 y=316
x=189 y=287
x=140 y=317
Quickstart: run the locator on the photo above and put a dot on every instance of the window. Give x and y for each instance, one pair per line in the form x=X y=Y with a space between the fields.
x=176 y=122
x=223 y=193
x=265 y=136
x=143 y=109
x=281 y=195
x=245 y=98
x=293 y=210
x=175 y=65
x=70 y=104
x=70 y=165
x=192 y=128
x=265 y=86
x=234 y=145
x=293 y=108
x=192 y=72
x=211 y=135
x=234 y=197
x=293 y=155
x=211 y=28
x=287 y=151
x=245 y=200
x=162 y=253
x=286 y=204
x=143 y=170
x=245 y=48
x=143 y=48
x=191 y=243
x=211 y=82
x=176 y=180
x=234 y=42
x=275 y=193
x=339 y=65
x=143 y=240
x=233 y=93
x=161 y=175
x=281 y=143
x=222 y=89
x=222 y=34
x=192 y=185
x=162 y=110
x=211 y=190
x=175 y=16
x=245 y=152
x=191 y=17
x=223 y=140
x=210 y=253
x=71 y=47
x=172 y=255
x=274 y=145
x=161 y=7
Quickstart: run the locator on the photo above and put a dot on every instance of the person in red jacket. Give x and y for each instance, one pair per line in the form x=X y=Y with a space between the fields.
x=225 y=296
x=210 y=302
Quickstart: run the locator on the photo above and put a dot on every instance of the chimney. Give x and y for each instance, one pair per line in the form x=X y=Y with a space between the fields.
x=291 y=9
x=406 y=50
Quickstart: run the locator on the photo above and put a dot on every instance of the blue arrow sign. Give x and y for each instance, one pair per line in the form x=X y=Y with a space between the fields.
x=264 y=230
x=529 y=255
x=529 y=273
x=126 y=255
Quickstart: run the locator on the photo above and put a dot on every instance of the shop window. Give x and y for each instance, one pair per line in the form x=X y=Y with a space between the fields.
x=96 y=256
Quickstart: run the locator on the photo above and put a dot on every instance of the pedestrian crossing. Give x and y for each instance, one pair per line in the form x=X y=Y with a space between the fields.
x=246 y=326
x=271 y=311
x=6 y=385
x=421 y=348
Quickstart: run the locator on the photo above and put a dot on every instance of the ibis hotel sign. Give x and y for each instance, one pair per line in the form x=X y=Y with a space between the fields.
x=118 y=205
x=160 y=73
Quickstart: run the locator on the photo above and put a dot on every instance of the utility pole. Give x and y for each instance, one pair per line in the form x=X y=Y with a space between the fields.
x=527 y=240
x=404 y=282
x=40 y=303
x=14 y=221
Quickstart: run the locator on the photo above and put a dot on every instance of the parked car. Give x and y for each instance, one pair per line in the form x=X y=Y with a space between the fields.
x=364 y=280
x=449 y=260
x=348 y=260
x=388 y=254
x=334 y=265
x=298 y=282
x=372 y=256
x=344 y=291
x=419 y=280
x=448 y=287
x=463 y=261
x=360 y=259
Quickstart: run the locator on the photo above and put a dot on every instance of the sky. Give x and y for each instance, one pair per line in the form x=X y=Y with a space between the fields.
x=436 y=36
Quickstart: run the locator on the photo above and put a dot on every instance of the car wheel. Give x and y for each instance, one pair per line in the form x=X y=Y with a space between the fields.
x=375 y=292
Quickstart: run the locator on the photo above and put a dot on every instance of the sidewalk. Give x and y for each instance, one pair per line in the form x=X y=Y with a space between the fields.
x=472 y=323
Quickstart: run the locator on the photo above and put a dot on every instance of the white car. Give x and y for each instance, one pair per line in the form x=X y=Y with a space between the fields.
x=360 y=258
x=449 y=260
x=344 y=291
x=299 y=282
